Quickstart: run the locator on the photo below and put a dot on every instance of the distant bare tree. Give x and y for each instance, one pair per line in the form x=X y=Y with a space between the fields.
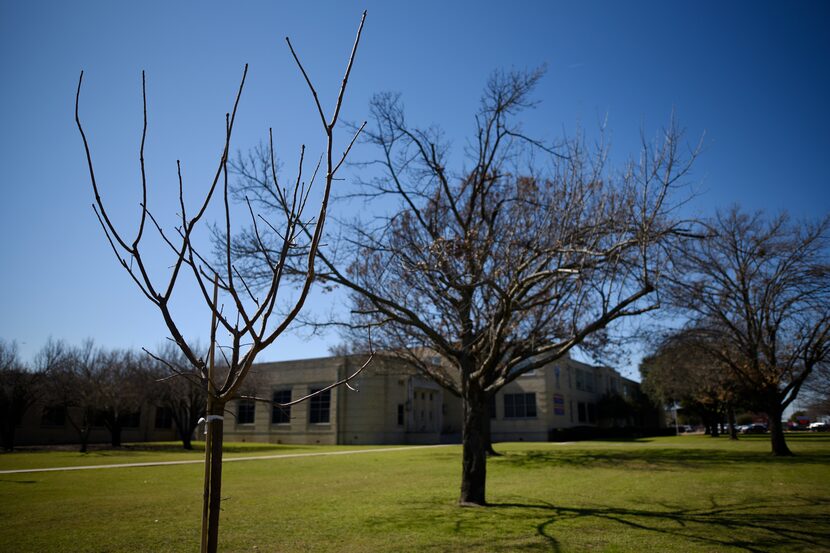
x=682 y=370
x=485 y=272
x=759 y=289
x=19 y=390
x=817 y=388
x=120 y=389
x=72 y=385
x=243 y=316
x=184 y=398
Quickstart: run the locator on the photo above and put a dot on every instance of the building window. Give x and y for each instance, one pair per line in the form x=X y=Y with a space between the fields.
x=131 y=419
x=400 y=414
x=319 y=407
x=245 y=411
x=519 y=406
x=53 y=416
x=164 y=418
x=592 y=413
x=558 y=404
x=580 y=407
x=556 y=372
x=281 y=415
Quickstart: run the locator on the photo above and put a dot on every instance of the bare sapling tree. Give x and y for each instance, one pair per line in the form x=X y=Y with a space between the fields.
x=247 y=319
x=759 y=288
x=500 y=266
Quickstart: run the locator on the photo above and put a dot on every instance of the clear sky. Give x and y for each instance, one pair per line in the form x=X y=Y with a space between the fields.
x=752 y=75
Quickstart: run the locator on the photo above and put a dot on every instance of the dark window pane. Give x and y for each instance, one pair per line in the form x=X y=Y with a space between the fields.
x=53 y=416
x=281 y=415
x=400 y=414
x=164 y=417
x=319 y=407
x=98 y=417
x=530 y=405
x=131 y=420
x=509 y=411
x=245 y=411
x=519 y=405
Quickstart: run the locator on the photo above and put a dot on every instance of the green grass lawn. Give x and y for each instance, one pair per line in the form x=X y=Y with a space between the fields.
x=690 y=493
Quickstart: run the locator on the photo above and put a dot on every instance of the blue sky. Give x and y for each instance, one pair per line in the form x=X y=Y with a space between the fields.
x=752 y=76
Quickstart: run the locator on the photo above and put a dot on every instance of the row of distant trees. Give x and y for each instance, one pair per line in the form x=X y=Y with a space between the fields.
x=755 y=293
x=91 y=385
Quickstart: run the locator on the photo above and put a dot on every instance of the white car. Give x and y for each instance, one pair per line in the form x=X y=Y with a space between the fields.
x=819 y=427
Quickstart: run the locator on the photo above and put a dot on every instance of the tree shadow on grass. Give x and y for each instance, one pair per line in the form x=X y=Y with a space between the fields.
x=738 y=525
x=537 y=525
x=650 y=459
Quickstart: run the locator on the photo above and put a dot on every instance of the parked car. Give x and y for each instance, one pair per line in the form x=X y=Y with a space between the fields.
x=819 y=427
x=756 y=428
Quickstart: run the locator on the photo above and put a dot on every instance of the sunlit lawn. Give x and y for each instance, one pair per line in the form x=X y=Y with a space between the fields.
x=690 y=493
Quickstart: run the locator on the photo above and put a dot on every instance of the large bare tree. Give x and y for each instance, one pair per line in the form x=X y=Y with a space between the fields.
x=250 y=321
x=497 y=260
x=759 y=288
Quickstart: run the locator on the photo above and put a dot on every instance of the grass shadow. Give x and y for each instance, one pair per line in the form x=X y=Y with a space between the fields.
x=531 y=525
x=649 y=459
x=738 y=525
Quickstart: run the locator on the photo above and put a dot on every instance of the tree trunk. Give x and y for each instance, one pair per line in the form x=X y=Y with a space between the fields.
x=714 y=424
x=83 y=436
x=474 y=449
x=213 y=477
x=733 y=431
x=776 y=430
x=488 y=438
x=184 y=430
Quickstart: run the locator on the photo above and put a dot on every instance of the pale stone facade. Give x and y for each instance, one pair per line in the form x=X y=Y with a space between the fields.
x=391 y=405
x=394 y=405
